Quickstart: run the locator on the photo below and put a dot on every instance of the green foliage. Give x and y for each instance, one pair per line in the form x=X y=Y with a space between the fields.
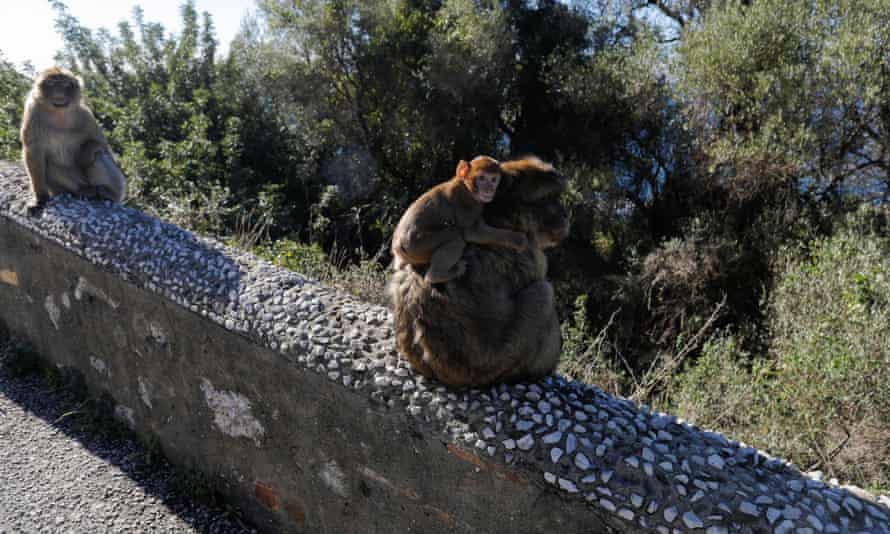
x=724 y=389
x=365 y=279
x=830 y=324
x=587 y=356
x=13 y=89
x=820 y=395
x=193 y=140
x=780 y=90
x=702 y=142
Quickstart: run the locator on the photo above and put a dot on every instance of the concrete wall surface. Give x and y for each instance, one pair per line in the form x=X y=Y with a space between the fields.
x=291 y=398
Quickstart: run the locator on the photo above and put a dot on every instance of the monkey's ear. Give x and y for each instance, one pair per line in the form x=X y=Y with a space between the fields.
x=463 y=168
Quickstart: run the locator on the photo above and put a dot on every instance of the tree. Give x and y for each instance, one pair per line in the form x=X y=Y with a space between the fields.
x=194 y=141
x=13 y=88
x=792 y=95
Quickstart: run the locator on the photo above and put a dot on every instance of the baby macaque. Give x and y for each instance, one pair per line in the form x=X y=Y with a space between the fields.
x=437 y=226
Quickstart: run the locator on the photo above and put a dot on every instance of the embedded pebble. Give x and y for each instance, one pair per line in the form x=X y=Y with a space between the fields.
x=692 y=521
x=526 y=442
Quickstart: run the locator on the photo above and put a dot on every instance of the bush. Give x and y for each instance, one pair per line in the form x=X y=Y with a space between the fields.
x=589 y=356
x=830 y=324
x=13 y=88
x=720 y=390
x=820 y=396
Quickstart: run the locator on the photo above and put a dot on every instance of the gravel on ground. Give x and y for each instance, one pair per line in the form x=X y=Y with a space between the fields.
x=67 y=468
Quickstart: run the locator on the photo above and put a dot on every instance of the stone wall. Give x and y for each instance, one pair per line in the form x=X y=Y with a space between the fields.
x=290 y=397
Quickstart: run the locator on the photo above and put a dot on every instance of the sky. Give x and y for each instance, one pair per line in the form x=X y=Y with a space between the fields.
x=27 y=31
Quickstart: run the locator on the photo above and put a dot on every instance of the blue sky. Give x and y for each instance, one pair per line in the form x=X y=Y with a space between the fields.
x=27 y=31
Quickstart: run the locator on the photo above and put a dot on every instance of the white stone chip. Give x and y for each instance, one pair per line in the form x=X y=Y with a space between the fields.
x=692 y=521
x=526 y=442
x=716 y=461
x=551 y=438
x=568 y=485
x=749 y=508
x=607 y=504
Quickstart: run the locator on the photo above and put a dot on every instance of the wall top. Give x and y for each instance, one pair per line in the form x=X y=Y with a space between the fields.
x=646 y=470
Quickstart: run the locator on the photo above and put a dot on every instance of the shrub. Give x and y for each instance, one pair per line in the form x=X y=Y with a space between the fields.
x=830 y=327
x=721 y=388
x=591 y=356
x=820 y=395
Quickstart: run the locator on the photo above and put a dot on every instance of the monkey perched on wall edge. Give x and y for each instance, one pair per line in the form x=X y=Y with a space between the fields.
x=62 y=146
x=497 y=322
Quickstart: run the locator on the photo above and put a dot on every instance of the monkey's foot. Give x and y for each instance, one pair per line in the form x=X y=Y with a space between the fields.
x=35 y=207
x=88 y=193
x=519 y=242
x=456 y=271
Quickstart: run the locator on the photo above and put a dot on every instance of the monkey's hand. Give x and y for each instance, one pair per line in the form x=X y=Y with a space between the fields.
x=518 y=242
x=88 y=193
x=459 y=269
x=456 y=271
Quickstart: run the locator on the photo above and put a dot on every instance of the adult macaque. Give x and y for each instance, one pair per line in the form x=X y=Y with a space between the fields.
x=437 y=226
x=62 y=146
x=497 y=323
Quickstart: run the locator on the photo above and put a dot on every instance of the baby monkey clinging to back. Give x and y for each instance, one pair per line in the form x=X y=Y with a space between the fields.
x=437 y=226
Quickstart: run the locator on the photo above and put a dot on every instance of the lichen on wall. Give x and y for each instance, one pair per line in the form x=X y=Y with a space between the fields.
x=232 y=414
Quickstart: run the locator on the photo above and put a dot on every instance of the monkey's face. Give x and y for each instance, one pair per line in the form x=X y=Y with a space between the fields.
x=552 y=221
x=59 y=90
x=484 y=185
x=531 y=201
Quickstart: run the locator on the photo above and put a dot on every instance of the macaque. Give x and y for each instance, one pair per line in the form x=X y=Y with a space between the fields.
x=62 y=146
x=498 y=322
x=437 y=226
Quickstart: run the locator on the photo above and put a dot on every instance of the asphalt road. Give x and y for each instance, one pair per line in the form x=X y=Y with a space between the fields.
x=64 y=467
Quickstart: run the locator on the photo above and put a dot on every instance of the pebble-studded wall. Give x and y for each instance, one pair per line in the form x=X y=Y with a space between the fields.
x=599 y=462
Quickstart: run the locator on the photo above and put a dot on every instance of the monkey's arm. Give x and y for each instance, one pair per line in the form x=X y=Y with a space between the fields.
x=35 y=161
x=34 y=155
x=105 y=179
x=482 y=234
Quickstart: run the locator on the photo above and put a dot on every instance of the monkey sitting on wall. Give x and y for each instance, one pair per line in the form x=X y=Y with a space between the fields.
x=437 y=226
x=62 y=146
x=498 y=322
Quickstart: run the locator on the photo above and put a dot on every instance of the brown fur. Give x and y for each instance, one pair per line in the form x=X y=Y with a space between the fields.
x=62 y=146
x=437 y=226
x=498 y=322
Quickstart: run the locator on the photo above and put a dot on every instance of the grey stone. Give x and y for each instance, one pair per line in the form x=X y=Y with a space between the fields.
x=526 y=442
x=692 y=521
